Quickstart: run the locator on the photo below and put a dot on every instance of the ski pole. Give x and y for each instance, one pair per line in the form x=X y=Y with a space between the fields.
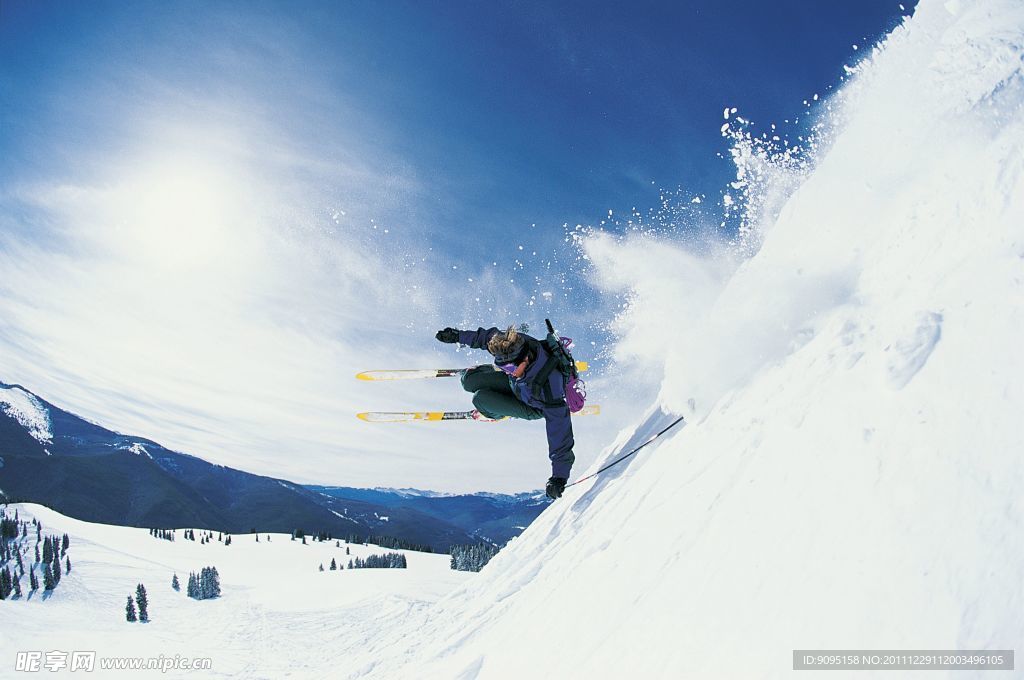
x=634 y=451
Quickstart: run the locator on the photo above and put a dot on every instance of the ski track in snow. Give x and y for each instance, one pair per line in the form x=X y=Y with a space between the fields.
x=909 y=354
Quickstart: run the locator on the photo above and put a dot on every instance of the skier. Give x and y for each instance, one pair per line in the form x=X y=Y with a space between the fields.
x=523 y=383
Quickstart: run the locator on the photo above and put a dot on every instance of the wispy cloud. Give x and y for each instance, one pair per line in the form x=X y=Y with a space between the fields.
x=214 y=281
x=211 y=265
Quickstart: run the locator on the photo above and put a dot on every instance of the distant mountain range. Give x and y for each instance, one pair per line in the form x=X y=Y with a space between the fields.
x=55 y=458
x=495 y=518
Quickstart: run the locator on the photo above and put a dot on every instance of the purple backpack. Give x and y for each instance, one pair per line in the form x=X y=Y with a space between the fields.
x=575 y=388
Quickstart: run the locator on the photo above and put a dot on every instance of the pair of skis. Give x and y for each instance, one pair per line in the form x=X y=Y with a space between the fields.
x=431 y=416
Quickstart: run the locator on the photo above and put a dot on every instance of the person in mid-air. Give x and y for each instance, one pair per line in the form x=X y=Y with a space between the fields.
x=524 y=382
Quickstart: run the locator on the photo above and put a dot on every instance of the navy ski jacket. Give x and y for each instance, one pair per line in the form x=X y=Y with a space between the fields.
x=556 y=413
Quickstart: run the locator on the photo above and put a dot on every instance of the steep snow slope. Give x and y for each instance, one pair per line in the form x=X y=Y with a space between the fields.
x=851 y=474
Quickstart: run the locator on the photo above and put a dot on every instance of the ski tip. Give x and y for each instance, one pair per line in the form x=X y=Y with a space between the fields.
x=582 y=366
x=365 y=375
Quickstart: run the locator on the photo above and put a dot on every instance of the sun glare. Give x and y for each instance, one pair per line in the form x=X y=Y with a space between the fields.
x=181 y=216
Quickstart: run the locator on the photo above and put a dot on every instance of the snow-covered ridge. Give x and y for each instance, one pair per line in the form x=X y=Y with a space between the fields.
x=28 y=411
x=137 y=448
x=412 y=493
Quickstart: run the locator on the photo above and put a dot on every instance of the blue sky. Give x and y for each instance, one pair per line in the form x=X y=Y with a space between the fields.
x=214 y=213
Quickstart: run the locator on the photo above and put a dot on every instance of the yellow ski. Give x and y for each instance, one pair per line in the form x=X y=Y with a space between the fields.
x=421 y=373
x=411 y=416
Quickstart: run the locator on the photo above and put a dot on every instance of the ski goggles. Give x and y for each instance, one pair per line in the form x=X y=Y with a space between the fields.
x=509 y=366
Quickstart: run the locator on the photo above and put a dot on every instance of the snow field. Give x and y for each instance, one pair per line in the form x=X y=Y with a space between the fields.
x=277 y=616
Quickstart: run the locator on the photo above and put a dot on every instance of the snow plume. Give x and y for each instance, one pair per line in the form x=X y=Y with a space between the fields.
x=852 y=476
x=690 y=302
x=662 y=285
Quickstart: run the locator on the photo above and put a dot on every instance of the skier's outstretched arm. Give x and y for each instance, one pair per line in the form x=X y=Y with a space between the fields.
x=477 y=339
x=560 y=440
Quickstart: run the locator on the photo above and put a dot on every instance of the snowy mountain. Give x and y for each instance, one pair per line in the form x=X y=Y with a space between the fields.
x=850 y=475
x=53 y=457
x=491 y=517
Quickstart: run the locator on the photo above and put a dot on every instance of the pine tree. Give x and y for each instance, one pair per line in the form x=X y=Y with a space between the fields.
x=65 y=543
x=47 y=551
x=143 y=602
x=175 y=584
x=207 y=584
x=37 y=553
x=472 y=557
x=321 y=568
x=17 y=587
x=5 y=583
x=33 y=582
x=193 y=586
x=129 y=610
x=334 y=565
x=67 y=565
x=48 y=583
x=56 y=570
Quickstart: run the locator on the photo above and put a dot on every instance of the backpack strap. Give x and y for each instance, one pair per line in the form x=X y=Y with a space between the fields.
x=541 y=386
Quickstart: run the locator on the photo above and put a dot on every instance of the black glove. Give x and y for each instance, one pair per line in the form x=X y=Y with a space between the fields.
x=448 y=335
x=555 y=487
